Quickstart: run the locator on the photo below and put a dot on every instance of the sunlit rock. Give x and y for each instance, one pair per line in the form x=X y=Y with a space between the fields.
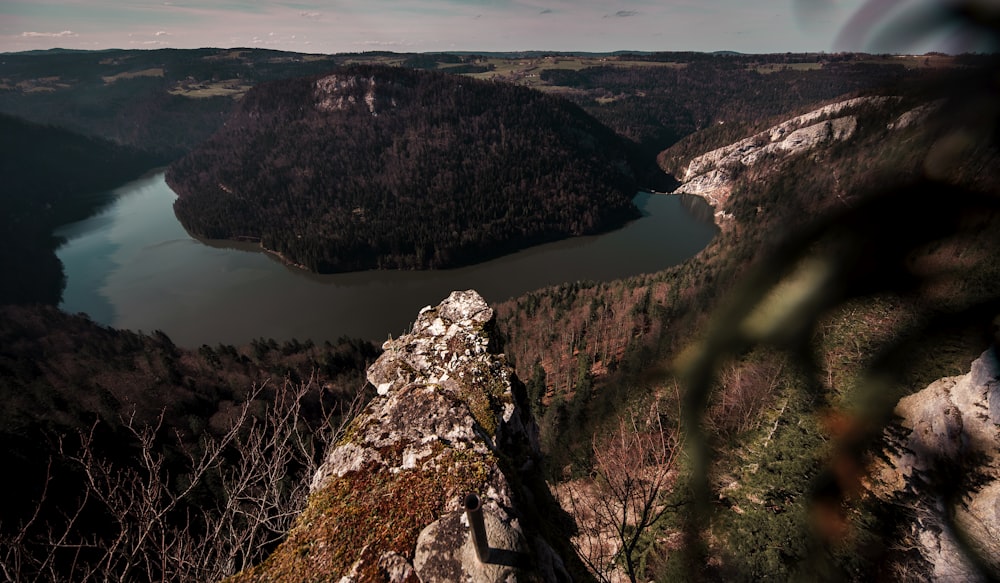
x=942 y=466
x=711 y=175
x=449 y=420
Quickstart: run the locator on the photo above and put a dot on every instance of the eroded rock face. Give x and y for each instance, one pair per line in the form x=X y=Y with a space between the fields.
x=386 y=505
x=709 y=175
x=943 y=459
x=791 y=136
x=340 y=92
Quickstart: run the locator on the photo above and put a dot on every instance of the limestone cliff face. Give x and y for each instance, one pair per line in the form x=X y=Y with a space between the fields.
x=340 y=92
x=710 y=174
x=386 y=505
x=942 y=465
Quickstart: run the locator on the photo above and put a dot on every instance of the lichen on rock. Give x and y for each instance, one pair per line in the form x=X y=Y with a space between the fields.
x=448 y=420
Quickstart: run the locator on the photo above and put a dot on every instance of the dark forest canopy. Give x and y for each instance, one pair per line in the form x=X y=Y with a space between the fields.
x=378 y=167
x=586 y=350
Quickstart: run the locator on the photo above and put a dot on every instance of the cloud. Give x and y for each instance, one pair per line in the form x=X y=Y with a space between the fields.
x=63 y=34
x=546 y=11
x=159 y=37
x=625 y=13
x=310 y=14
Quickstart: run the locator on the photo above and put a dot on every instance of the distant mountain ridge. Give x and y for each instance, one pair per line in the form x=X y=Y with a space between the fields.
x=380 y=167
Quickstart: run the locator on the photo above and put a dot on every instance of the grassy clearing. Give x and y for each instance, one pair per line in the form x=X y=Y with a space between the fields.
x=527 y=71
x=626 y=63
x=391 y=61
x=156 y=72
x=234 y=88
x=42 y=85
x=234 y=54
x=922 y=61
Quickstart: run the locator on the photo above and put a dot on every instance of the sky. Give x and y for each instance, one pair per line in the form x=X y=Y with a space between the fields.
x=332 y=26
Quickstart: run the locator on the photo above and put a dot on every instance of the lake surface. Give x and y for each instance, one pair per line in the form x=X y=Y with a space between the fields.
x=134 y=266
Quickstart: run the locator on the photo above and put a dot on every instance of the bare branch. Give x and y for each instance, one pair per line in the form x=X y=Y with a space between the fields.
x=257 y=471
x=634 y=468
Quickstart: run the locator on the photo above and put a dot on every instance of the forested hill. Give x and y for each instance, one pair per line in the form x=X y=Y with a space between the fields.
x=379 y=167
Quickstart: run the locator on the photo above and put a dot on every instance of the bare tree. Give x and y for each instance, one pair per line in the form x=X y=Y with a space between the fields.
x=633 y=469
x=258 y=472
x=744 y=389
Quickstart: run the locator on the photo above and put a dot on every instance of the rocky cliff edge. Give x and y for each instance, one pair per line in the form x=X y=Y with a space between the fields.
x=711 y=175
x=941 y=466
x=448 y=420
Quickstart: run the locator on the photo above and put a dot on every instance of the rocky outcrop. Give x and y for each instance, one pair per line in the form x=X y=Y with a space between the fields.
x=792 y=136
x=339 y=92
x=942 y=464
x=916 y=116
x=710 y=175
x=387 y=504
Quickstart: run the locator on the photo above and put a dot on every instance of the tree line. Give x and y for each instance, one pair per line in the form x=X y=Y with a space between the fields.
x=655 y=106
x=437 y=171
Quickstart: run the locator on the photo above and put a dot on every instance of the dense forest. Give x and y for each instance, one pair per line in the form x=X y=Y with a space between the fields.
x=376 y=167
x=163 y=101
x=77 y=124
x=657 y=106
x=607 y=329
x=160 y=104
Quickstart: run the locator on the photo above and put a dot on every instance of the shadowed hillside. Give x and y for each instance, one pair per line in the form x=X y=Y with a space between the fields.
x=375 y=167
x=51 y=177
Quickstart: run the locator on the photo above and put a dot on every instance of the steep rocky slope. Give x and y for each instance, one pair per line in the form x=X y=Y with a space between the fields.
x=712 y=175
x=941 y=467
x=449 y=420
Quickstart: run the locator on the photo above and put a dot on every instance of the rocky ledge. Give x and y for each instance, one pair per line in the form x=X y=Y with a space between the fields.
x=710 y=175
x=941 y=466
x=448 y=420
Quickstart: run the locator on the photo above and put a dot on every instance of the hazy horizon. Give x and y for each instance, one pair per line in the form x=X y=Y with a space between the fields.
x=341 y=26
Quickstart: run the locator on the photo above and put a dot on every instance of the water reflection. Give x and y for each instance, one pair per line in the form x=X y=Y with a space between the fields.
x=133 y=266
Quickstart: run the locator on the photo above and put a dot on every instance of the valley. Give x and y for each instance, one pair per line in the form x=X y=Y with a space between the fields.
x=133 y=266
x=845 y=276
